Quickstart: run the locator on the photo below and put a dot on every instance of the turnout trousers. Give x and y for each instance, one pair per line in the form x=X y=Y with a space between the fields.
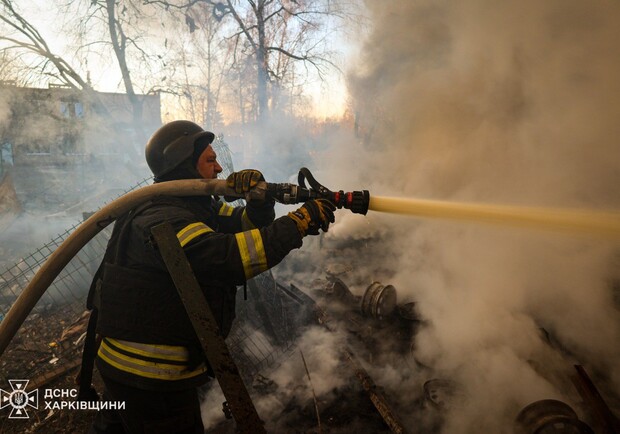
x=148 y=412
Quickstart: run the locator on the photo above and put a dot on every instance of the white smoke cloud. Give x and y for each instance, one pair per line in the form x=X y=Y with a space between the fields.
x=516 y=103
x=354 y=227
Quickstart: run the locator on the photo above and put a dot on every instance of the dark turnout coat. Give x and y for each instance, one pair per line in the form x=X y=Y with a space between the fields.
x=147 y=340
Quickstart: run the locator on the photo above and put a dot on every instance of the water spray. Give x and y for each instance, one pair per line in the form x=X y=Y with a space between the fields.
x=566 y=220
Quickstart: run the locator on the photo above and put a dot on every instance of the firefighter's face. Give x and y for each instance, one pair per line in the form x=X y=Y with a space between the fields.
x=207 y=164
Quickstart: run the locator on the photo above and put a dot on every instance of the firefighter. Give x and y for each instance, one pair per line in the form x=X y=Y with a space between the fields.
x=149 y=356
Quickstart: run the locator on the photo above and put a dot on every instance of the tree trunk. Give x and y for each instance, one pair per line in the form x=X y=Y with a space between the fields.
x=119 y=42
x=261 y=64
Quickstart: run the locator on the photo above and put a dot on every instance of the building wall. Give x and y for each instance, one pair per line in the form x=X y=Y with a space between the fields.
x=59 y=123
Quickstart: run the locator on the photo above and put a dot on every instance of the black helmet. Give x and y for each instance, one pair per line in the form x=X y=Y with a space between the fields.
x=172 y=144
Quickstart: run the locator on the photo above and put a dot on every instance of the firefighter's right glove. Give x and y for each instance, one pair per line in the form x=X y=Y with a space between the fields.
x=313 y=215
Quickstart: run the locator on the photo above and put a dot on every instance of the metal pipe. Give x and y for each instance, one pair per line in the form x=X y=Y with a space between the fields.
x=91 y=227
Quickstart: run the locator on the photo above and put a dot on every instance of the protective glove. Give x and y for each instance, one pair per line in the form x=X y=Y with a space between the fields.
x=313 y=215
x=244 y=180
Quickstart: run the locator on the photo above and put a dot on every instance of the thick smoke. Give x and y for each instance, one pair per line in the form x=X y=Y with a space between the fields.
x=511 y=102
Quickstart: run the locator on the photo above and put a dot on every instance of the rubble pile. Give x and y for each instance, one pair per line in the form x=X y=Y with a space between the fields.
x=50 y=338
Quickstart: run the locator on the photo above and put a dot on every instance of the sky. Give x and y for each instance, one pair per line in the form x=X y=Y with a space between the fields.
x=329 y=97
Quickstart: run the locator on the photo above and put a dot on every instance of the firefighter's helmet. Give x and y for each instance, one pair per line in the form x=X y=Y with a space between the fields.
x=172 y=144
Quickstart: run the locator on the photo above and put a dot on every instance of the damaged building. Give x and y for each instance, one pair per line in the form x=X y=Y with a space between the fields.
x=64 y=151
x=61 y=123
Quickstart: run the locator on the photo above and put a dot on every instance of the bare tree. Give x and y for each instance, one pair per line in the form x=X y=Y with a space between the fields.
x=28 y=39
x=119 y=40
x=122 y=20
x=278 y=35
x=38 y=56
x=204 y=62
x=114 y=25
x=10 y=66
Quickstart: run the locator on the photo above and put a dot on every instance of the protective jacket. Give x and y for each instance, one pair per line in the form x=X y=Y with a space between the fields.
x=147 y=340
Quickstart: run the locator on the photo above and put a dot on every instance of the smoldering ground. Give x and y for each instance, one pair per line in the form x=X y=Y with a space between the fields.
x=290 y=389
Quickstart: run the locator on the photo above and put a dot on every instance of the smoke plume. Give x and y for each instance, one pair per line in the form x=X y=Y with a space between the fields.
x=512 y=102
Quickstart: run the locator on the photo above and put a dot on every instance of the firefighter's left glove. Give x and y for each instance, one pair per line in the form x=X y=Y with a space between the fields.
x=244 y=180
x=313 y=215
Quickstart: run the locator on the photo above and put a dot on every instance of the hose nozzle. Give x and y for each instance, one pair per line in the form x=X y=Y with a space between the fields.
x=355 y=201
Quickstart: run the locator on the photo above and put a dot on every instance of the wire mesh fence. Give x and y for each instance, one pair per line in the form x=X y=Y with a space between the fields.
x=267 y=325
x=72 y=283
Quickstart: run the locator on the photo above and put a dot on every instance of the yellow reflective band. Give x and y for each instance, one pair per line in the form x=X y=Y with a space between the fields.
x=166 y=352
x=142 y=368
x=252 y=252
x=226 y=210
x=246 y=223
x=191 y=231
x=245 y=254
x=261 y=257
x=134 y=360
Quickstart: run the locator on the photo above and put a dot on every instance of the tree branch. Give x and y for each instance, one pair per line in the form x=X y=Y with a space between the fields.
x=242 y=25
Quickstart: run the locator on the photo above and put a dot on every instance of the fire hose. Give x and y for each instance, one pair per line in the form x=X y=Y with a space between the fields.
x=606 y=224
x=285 y=193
